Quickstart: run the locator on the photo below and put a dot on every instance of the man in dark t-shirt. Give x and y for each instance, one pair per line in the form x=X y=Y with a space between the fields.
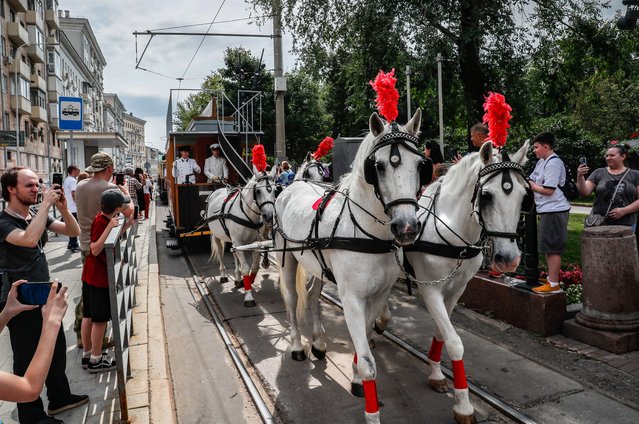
x=22 y=239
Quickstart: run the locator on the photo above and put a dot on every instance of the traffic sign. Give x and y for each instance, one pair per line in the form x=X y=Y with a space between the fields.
x=147 y=165
x=70 y=113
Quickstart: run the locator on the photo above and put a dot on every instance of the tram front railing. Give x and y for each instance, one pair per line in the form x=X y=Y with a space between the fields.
x=122 y=270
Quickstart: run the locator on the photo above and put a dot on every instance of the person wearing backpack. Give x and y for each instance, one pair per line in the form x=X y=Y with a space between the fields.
x=552 y=206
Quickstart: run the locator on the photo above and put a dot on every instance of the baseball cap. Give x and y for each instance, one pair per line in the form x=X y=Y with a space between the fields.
x=113 y=198
x=99 y=162
x=215 y=146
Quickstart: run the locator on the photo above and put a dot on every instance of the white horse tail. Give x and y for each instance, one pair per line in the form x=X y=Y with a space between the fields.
x=300 y=288
x=217 y=251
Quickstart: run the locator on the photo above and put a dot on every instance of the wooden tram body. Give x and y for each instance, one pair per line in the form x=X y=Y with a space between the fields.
x=187 y=202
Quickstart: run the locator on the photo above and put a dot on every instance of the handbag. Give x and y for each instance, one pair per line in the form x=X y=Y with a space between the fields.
x=595 y=219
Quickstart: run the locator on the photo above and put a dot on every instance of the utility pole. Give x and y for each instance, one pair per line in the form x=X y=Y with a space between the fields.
x=280 y=84
x=408 y=93
x=441 y=101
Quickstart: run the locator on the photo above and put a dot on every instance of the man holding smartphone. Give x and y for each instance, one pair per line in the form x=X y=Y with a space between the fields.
x=22 y=239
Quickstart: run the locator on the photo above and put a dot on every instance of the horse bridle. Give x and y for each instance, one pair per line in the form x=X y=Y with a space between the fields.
x=493 y=170
x=393 y=139
x=321 y=169
x=263 y=177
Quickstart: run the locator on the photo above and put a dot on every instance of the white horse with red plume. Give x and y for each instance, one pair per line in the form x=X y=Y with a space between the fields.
x=313 y=169
x=236 y=216
x=350 y=235
x=448 y=254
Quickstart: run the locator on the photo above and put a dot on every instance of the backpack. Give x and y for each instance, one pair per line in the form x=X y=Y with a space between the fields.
x=569 y=188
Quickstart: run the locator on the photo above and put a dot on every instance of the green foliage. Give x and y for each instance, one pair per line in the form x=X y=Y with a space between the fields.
x=574 y=294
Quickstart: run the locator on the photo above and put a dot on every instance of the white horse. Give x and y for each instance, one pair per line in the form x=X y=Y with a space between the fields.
x=313 y=170
x=349 y=236
x=446 y=255
x=237 y=217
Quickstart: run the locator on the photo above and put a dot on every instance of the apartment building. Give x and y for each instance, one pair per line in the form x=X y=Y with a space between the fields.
x=47 y=54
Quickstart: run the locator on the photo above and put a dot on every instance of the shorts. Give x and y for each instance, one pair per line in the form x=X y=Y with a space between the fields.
x=553 y=232
x=96 y=303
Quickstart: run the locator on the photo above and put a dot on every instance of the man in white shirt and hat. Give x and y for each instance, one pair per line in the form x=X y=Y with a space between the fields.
x=184 y=168
x=215 y=167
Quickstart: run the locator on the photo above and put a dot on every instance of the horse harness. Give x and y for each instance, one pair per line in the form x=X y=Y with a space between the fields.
x=468 y=251
x=230 y=200
x=371 y=244
x=321 y=169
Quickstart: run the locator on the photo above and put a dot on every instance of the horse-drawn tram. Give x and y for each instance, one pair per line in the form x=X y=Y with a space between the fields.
x=190 y=171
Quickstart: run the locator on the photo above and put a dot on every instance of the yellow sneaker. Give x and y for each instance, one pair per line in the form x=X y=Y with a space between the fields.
x=547 y=288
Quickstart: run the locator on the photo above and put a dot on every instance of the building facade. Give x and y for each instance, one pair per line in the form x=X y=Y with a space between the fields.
x=134 y=134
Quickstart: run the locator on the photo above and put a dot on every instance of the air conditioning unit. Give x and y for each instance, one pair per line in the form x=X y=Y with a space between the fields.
x=7 y=60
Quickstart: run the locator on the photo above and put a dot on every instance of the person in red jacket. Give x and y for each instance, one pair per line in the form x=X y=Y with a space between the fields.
x=95 y=284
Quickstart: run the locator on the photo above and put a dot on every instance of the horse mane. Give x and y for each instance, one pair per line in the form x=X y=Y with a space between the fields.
x=462 y=174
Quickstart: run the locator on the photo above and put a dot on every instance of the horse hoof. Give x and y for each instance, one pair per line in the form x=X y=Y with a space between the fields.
x=319 y=354
x=298 y=355
x=249 y=303
x=265 y=263
x=357 y=390
x=465 y=419
x=224 y=279
x=378 y=329
x=371 y=344
x=239 y=283
x=440 y=386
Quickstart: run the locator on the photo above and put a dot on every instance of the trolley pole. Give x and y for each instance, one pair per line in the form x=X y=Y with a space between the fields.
x=280 y=85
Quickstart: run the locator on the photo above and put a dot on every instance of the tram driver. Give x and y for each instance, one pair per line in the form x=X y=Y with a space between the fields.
x=184 y=168
x=215 y=167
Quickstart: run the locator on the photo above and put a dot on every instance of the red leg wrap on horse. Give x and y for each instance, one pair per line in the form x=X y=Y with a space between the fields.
x=247 y=282
x=459 y=374
x=252 y=275
x=435 y=352
x=355 y=359
x=370 y=396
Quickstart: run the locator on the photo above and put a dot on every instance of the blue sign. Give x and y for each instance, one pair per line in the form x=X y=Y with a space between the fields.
x=70 y=113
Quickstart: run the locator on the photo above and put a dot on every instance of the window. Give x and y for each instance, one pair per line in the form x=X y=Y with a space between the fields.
x=38 y=98
x=53 y=63
x=5 y=121
x=2 y=8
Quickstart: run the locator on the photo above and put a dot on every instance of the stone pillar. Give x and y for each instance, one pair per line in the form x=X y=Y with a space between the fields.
x=609 y=318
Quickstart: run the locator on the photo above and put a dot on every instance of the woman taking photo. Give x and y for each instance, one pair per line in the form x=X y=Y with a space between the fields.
x=616 y=188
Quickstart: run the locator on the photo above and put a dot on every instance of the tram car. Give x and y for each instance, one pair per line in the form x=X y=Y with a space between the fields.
x=186 y=197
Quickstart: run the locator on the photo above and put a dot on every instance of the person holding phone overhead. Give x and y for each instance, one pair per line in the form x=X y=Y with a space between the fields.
x=23 y=236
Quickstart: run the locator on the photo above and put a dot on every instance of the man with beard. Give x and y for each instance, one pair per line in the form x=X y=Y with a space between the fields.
x=23 y=235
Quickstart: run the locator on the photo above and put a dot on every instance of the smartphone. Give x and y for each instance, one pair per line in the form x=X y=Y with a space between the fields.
x=452 y=152
x=119 y=178
x=34 y=292
x=57 y=179
x=582 y=161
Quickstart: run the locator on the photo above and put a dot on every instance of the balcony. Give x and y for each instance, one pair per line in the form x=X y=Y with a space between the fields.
x=54 y=88
x=24 y=105
x=20 y=67
x=34 y=18
x=18 y=5
x=51 y=17
x=36 y=52
x=17 y=34
x=38 y=114
x=38 y=82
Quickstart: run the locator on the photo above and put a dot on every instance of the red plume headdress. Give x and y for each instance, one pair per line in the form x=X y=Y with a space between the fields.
x=387 y=94
x=496 y=116
x=324 y=148
x=259 y=157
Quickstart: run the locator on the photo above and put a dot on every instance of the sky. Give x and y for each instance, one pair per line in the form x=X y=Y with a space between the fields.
x=146 y=94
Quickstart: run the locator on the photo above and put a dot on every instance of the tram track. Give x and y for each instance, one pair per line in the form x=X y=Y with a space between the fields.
x=494 y=402
x=234 y=352
x=250 y=382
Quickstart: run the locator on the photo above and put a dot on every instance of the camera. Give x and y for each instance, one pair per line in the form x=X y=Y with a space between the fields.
x=582 y=161
x=119 y=178
x=34 y=292
x=57 y=179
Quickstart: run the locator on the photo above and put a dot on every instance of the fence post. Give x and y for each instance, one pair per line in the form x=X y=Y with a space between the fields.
x=122 y=273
